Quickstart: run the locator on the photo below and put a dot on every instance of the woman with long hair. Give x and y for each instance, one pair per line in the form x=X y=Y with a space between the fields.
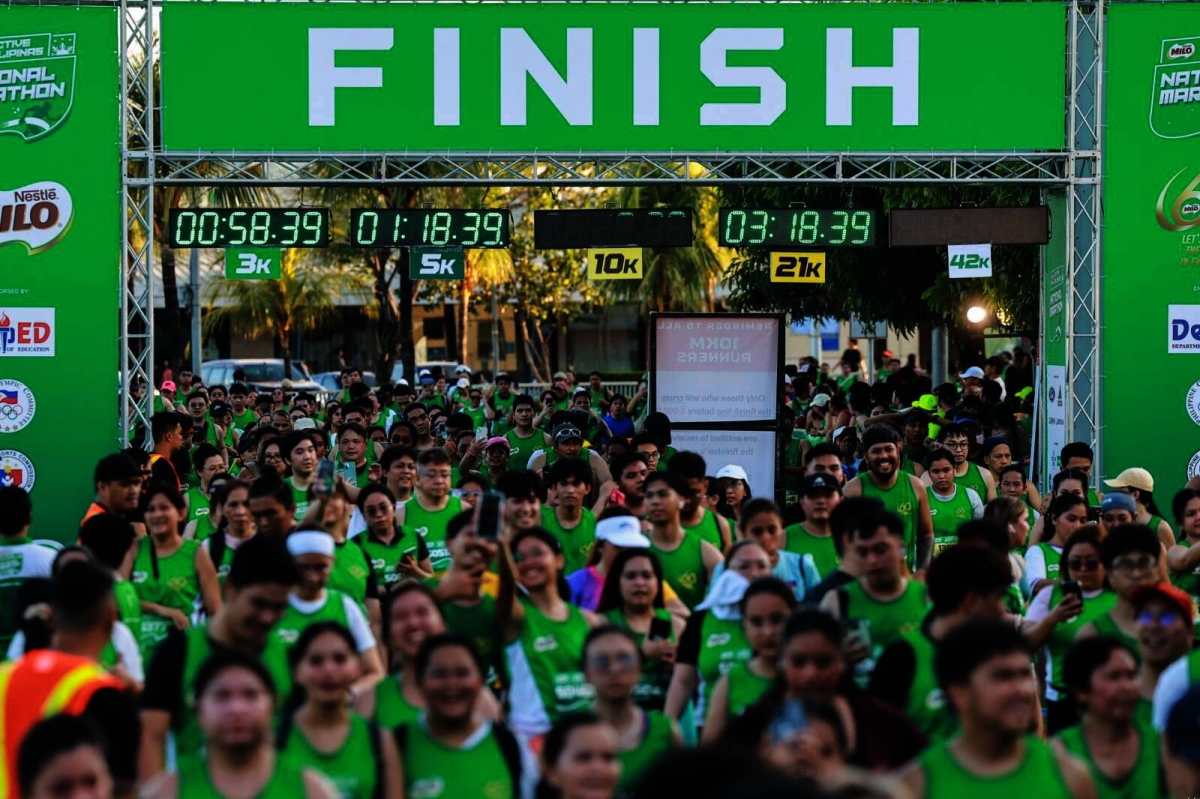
x=1067 y=514
x=1068 y=481
x=611 y=663
x=1184 y=558
x=580 y=759
x=231 y=507
x=411 y=616
x=543 y=632
x=765 y=607
x=174 y=577
x=235 y=703
x=1060 y=613
x=633 y=600
x=322 y=730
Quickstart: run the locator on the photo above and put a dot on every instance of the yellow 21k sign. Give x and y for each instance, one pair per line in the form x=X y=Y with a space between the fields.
x=797 y=267
x=619 y=263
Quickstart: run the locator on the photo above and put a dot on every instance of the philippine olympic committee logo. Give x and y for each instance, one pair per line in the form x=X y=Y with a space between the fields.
x=37 y=83
x=17 y=405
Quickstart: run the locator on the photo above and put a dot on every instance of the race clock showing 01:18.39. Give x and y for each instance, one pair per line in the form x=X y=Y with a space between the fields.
x=248 y=227
x=469 y=228
x=783 y=227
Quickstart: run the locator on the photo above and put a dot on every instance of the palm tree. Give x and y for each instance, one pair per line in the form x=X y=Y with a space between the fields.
x=302 y=299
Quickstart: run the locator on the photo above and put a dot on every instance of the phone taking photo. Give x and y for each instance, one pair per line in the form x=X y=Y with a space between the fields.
x=323 y=484
x=660 y=629
x=489 y=515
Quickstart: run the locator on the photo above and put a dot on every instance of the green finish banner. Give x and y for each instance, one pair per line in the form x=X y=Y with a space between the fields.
x=60 y=249
x=1150 y=347
x=613 y=77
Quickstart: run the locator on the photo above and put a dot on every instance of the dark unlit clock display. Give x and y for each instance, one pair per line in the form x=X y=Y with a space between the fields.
x=781 y=227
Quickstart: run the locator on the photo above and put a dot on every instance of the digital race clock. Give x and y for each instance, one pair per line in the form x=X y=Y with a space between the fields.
x=612 y=227
x=248 y=227
x=475 y=229
x=785 y=227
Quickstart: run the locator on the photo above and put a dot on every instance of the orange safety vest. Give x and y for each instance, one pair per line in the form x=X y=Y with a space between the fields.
x=42 y=684
x=155 y=458
x=95 y=509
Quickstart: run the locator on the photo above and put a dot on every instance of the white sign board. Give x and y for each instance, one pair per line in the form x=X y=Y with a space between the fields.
x=861 y=329
x=753 y=450
x=970 y=260
x=710 y=369
x=1056 y=416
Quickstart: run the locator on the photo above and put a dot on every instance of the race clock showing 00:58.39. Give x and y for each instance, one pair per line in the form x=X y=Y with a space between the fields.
x=248 y=227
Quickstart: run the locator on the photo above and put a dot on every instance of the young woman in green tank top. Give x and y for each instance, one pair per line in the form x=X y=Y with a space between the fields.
x=1121 y=753
x=231 y=504
x=235 y=705
x=632 y=599
x=355 y=755
x=1183 y=559
x=765 y=606
x=1067 y=513
x=411 y=616
x=611 y=663
x=174 y=578
x=543 y=632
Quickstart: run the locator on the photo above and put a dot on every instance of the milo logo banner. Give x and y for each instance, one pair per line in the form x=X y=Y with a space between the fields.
x=1151 y=285
x=60 y=250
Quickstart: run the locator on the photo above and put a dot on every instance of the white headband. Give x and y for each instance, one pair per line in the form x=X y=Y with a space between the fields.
x=310 y=542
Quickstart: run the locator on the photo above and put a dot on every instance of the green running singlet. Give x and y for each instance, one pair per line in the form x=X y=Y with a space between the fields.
x=431 y=525
x=926 y=705
x=351 y=573
x=197 y=503
x=707 y=529
x=823 y=552
x=577 y=543
x=973 y=479
x=885 y=621
x=683 y=569
x=656 y=740
x=545 y=665
x=947 y=515
x=1052 y=554
x=385 y=558
x=1141 y=783
x=353 y=768
x=651 y=691
x=1037 y=775
x=723 y=645
x=129 y=604
x=1062 y=637
x=523 y=448
x=287 y=780
x=745 y=688
x=300 y=497
x=1106 y=626
x=391 y=708
x=293 y=622
x=901 y=500
x=176 y=585
x=478 y=622
x=433 y=770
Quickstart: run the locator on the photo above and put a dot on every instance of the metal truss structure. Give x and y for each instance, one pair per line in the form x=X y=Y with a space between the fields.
x=145 y=166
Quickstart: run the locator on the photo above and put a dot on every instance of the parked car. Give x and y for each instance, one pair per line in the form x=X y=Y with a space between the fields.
x=447 y=370
x=262 y=374
x=332 y=381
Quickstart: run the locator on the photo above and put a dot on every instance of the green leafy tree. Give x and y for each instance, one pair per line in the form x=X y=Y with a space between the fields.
x=303 y=299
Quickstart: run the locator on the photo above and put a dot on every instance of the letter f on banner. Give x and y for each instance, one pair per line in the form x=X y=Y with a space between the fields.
x=324 y=77
x=841 y=76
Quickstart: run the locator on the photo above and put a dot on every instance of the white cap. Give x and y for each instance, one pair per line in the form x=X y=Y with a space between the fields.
x=310 y=542
x=304 y=424
x=622 y=531
x=843 y=429
x=734 y=471
x=402 y=382
x=787 y=380
x=974 y=372
x=820 y=401
x=424 y=373
x=462 y=367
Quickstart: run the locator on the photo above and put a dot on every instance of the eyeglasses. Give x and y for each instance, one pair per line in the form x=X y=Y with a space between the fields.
x=622 y=662
x=535 y=552
x=376 y=510
x=272 y=456
x=954 y=444
x=1167 y=619
x=1083 y=564
x=1142 y=564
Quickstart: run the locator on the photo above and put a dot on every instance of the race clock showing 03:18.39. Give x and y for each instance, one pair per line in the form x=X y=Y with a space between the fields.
x=782 y=227
x=248 y=227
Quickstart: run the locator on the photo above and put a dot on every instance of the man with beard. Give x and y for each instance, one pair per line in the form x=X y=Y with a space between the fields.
x=983 y=669
x=900 y=492
x=629 y=473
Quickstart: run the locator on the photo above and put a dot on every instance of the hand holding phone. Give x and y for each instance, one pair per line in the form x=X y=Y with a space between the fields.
x=489 y=515
x=323 y=484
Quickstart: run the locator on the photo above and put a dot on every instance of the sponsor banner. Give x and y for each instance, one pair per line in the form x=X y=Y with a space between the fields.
x=17 y=470
x=1151 y=242
x=1056 y=417
x=797 y=267
x=710 y=369
x=970 y=260
x=60 y=253
x=615 y=263
x=17 y=405
x=436 y=263
x=253 y=263
x=26 y=332
x=613 y=77
x=753 y=450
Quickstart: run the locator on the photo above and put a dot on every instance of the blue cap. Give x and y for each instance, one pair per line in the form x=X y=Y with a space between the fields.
x=1118 y=500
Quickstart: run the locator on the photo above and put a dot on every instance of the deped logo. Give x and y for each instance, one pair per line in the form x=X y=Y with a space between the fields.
x=1183 y=328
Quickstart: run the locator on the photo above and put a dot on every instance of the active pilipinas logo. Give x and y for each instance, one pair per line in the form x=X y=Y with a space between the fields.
x=1175 y=98
x=16 y=469
x=36 y=216
x=37 y=83
x=17 y=405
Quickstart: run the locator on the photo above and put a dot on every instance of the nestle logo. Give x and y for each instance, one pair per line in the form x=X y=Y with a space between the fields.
x=34 y=196
x=1181 y=50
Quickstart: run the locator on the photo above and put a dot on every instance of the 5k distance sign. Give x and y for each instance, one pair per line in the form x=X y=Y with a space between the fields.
x=605 y=77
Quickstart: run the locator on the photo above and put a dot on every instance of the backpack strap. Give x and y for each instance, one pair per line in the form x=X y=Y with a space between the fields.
x=375 y=733
x=510 y=748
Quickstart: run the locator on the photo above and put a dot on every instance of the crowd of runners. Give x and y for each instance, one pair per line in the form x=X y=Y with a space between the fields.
x=453 y=589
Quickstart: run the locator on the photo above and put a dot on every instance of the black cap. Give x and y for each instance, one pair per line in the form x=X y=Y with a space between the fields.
x=117 y=466
x=819 y=482
x=219 y=409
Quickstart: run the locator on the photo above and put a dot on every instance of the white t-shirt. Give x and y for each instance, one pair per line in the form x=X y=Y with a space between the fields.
x=1172 y=685
x=1035 y=562
x=122 y=640
x=356 y=621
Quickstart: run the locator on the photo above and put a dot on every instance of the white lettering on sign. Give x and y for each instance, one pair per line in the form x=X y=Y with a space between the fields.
x=520 y=58
x=772 y=97
x=251 y=264
x=324 y=77
x=447 y=109
x=645 y=76
x=842 y=77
